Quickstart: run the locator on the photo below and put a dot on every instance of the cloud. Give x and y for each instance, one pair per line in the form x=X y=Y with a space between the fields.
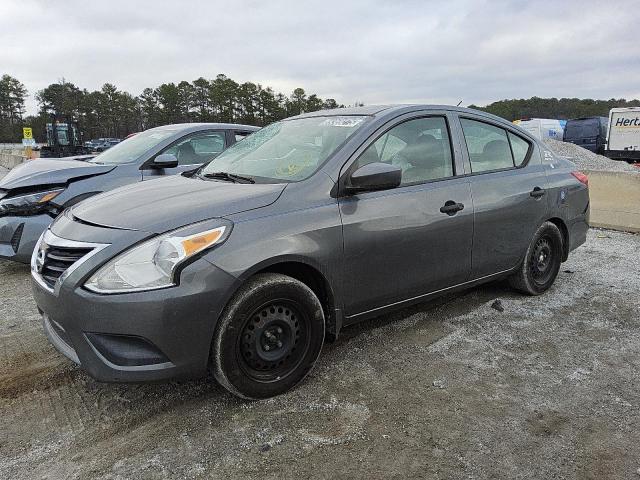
x=375 y=52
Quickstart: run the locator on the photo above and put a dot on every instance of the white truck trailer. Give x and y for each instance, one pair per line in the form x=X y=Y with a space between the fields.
x=542 y=127
x=623 y=137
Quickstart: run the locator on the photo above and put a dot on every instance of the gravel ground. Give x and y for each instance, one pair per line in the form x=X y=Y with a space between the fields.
x=586 y=159
x=547 y=388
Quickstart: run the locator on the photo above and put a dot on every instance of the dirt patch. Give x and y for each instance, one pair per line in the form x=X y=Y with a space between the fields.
x=546 y=387
x=28 y=371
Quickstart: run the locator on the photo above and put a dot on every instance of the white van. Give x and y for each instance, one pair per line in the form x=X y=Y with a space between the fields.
x=623 y=138
x=543 y=127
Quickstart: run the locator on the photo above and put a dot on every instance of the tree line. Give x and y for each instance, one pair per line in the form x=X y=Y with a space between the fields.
x=561 y=109
x=110 y=112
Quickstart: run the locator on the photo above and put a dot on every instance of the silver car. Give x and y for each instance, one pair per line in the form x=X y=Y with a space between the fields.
x=34 y=193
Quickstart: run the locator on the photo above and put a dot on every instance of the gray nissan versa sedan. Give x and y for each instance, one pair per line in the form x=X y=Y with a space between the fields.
x=312 y=223
x=34 y=193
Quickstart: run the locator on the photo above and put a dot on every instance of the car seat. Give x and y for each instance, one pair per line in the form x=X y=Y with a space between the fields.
x=427 y=159
x=187 y=155
x=496 y=154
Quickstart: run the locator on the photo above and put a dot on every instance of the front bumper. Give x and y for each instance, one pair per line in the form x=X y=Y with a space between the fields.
x=18 y=236
x=140 y=336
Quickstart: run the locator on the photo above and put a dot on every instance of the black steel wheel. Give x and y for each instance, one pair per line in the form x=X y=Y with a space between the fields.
x=268 y=338
x=541 y=263
x=542 y=260
x=274 y=340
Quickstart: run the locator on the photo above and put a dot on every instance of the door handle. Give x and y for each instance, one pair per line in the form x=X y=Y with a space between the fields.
x=537 y=192
x=451 y=208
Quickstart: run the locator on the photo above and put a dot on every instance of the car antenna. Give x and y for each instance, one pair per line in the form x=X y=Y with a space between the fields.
x=459 y=103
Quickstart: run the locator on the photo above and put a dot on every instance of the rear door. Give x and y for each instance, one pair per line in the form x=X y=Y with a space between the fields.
x=508 y=185
x=398 y=244
x=192 y=151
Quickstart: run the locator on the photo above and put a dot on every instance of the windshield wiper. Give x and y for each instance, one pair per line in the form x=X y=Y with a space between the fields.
x=231 y=177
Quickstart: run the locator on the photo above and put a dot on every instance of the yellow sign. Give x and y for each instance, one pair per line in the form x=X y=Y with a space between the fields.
x=27 y=132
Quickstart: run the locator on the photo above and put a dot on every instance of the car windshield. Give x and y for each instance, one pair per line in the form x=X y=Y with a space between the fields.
x=130 y=149
x=286 y=151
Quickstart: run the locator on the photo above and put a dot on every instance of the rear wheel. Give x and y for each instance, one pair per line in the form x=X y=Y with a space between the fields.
x=268 y=338
x=541 y=263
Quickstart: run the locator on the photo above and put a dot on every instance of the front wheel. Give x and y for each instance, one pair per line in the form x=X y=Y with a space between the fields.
x=268 y=337
x=541 y=264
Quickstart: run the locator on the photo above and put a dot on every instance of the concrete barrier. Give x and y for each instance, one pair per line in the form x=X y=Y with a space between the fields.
x=615 y=200
x=11 y=157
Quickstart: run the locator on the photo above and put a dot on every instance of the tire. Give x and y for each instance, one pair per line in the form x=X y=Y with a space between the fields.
x=541 y=264
x=268 y=338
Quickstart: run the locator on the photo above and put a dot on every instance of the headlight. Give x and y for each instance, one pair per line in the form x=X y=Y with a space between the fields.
x=30 y=203
x=152 y=264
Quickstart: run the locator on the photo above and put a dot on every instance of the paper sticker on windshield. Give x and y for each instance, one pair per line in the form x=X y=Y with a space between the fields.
x=289 y=170
x=348 y=122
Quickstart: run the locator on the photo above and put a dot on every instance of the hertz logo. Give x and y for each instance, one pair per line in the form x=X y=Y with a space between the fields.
x=628 y=122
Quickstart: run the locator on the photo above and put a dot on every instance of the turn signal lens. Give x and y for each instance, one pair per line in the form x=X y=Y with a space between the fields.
x=196 y=243
x=581 y=177
x=49 y=196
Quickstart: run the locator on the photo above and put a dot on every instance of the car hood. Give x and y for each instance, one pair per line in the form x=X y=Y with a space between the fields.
x=50 y=172
x=157 y=206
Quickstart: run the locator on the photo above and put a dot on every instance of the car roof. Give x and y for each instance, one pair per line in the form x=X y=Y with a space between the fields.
x=364 y=110
x=370 y=110
x=187 y=127
x=376 y=110
x=398 y=109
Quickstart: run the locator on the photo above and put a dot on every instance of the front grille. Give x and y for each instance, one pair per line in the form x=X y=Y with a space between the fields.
x=17 y=236
x=57 y=260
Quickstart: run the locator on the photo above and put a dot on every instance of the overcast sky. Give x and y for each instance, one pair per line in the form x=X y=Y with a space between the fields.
x=375 y=52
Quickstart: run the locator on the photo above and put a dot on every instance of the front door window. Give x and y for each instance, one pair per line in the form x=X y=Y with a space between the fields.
x=198 y=148
x=420 y=147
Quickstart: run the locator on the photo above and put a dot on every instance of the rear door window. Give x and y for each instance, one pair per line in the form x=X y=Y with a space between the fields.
x=241 y=135
x=488 y=146
x=520 y=148
x=493 y=148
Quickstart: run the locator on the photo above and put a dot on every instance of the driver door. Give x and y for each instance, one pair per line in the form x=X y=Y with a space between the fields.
x=398 y=244
x=192 y=151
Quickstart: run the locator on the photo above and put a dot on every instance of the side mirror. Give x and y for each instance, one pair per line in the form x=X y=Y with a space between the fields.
x=374 y=176
x=166 y=160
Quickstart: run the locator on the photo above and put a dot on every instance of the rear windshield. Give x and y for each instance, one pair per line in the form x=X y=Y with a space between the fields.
x=582 y=128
